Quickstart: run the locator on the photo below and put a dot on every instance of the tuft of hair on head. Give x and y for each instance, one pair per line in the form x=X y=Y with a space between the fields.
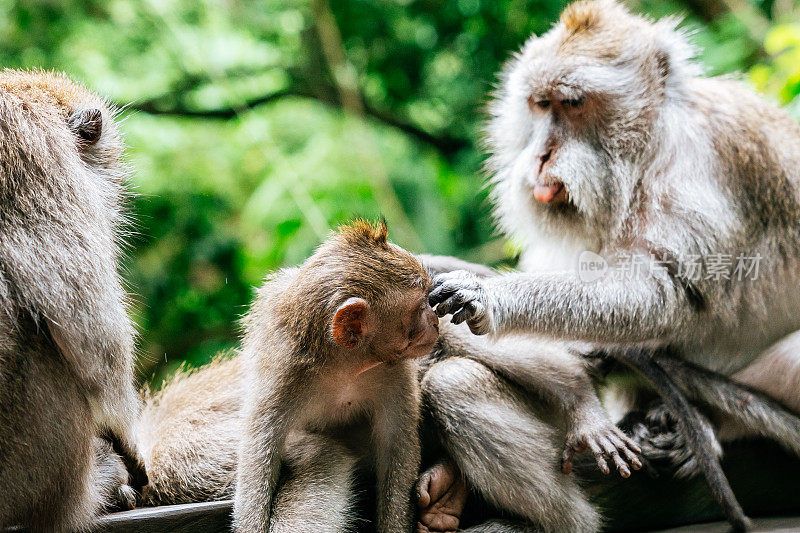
x=587 y=15
x=364 y=233
x=360 y=254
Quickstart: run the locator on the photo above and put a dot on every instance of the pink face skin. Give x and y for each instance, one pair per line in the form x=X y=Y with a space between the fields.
x=409 y=331
x=417 y=331
x=572 y=112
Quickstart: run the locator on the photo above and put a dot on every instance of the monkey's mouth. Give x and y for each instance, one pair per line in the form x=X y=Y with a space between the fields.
x=552 y=192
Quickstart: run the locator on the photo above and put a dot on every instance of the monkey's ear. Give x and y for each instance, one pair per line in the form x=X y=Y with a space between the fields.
x=352 y=322
x=86 y=124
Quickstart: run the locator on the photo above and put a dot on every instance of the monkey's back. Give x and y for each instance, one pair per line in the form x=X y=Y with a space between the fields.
x=44 y=449
x=47 y=467
x=189 y=434
x=758 y=150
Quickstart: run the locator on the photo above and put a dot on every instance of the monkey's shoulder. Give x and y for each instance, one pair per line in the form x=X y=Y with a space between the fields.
x=725 y=101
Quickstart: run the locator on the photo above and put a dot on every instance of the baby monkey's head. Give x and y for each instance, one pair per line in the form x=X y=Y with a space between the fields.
x=371 y=294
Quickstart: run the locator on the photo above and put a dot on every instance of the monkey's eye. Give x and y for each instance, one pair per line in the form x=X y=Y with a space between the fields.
x=539 y=104
x=573 y=102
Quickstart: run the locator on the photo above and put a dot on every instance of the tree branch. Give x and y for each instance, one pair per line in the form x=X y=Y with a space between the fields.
x=160 y=106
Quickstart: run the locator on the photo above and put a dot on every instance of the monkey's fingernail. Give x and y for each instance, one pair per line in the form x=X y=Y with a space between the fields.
x=636 y=464
x=624 y=472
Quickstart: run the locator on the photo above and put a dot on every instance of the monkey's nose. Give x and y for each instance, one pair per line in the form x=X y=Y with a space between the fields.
x=544 y=159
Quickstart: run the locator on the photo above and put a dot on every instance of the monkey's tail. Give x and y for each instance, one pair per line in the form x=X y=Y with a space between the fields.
x=694 y=428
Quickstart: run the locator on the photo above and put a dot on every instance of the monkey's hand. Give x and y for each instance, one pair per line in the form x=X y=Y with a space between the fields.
x=605 y=440
x=463 y=295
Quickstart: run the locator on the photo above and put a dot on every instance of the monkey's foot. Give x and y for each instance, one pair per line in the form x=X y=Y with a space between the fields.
x=605 y=440
x=667 y=445
x=112 y=478
x=442 y=493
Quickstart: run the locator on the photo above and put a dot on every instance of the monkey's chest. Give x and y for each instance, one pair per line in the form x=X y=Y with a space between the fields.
x=342 y=403
x=349 y=402
x=347 y=418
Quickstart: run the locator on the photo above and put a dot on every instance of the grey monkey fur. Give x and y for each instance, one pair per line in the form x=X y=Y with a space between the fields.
x=66 y=342
x=656 y=160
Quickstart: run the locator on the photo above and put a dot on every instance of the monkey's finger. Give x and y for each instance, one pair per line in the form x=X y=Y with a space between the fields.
x=619 y=450
x=630 y=457
x=452 y=304
x=629 y=443
x=471 y=308
x=448 y=278
x=610 y=450
x=478 y=322
x=442 y=293
x=462 y=315
x=598 y=456
x=622 y=466
x=623 y=448
x=423 y=496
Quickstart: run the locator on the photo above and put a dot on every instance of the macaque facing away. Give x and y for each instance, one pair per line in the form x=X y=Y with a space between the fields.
x=326 y=383
x=66 y=341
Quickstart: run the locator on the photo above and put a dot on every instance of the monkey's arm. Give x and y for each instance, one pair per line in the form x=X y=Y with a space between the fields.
x=270 y=409
x=64 y=274
x=438 y=264
x=560 y=305
x=396 y=437
x=553 y=371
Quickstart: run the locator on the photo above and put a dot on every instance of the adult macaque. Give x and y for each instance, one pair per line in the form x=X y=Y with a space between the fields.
x=326 y=381
x=606 y=138
x=66 y=342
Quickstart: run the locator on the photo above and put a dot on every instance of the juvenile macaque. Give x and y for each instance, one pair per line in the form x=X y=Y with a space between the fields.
x=66 y=342
x=326 y=384
x=606 y=138
x=332 y=379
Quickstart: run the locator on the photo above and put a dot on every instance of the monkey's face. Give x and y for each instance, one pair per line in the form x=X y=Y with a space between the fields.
x=408 y=330
x=571 y=118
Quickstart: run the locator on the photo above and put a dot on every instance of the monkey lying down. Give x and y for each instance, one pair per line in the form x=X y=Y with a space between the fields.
x=326 y=383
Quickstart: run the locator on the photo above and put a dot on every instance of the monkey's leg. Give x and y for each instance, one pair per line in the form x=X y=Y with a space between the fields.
x=52 y=474
x=695 y=429
x=506 y=453
x=395 y=438
x=556 y=372
x=316 y=489
x=776 y=372
x=745 y=406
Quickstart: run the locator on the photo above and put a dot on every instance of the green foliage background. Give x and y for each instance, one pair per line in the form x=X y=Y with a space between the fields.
x=255 y=127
